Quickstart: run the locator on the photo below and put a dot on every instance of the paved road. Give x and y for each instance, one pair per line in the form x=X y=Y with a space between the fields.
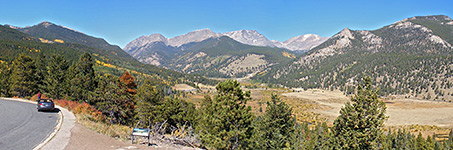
x=22 y=126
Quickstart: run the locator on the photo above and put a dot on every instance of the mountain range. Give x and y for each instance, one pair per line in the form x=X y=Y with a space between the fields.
x=250 y=37
x=231 y=54
x=412 y=57
x=213 y=57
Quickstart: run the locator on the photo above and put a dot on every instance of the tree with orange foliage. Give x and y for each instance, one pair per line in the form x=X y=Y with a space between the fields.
x=113 y=100
x=129 y=81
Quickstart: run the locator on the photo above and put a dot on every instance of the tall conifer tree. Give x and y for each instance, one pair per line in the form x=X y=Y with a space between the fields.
x=23 y=79
x=225 y=121
x=41 y=72
x=359 y=124
x=113 y=101
x=4 y=76
x=54 y=82
x=147 y=100
x=82 y=81
x=275 y=128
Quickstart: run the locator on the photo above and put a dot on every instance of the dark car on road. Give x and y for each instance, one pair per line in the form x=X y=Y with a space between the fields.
x=45 y=104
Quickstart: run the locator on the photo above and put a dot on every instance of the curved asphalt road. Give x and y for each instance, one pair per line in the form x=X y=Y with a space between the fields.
x=22 y=126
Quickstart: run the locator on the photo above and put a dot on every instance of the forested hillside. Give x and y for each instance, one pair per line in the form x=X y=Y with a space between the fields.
x=213 y=57
x=109 y=59
x=412 y=57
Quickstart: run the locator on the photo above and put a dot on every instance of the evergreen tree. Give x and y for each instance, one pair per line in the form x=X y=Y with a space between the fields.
x=82 y=79
x=4 y=76
x=421 y=142
x=147 y=100
x=23 y=79
x=359 y=125
x=225 y=121
x=275 y=128
x=41 y=72
x=54 y=82
x=177 y=112
x=112 y=100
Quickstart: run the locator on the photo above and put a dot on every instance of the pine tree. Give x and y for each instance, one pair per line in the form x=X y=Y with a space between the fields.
x=275 y=128
x=54 y=82
x=147 y=100
x=23 y=79
x=421 y=142
x=41 y=72
x=82 y=80
x=111 y=99
x=4 y=76
x=359 y=124
x=225 y=120
x=177 y=112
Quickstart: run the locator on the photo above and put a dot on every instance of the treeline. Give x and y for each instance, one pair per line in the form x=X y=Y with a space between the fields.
x=422 y=76
x=54 y=76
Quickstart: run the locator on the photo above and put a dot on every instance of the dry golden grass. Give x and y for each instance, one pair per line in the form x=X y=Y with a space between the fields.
x=425 y=130
x=414 y=115
x=182 y=87
x=113 y=130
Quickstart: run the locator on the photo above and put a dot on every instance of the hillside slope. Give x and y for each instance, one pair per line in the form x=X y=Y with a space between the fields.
x=213 y=57
x=109 y=59
x=412 y=56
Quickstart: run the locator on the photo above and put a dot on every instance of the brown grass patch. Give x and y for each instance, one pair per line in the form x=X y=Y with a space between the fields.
x=93 y=119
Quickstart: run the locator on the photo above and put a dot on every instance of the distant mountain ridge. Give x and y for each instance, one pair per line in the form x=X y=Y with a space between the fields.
x=214 y=57
x=250 y=37
x=50 y=31
x=49 y=39
x=413 y=56
x=231 y=54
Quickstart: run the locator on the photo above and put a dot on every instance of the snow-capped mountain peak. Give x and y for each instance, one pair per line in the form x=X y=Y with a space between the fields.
x=251 y=37
x=194 y=36
x=304 y=42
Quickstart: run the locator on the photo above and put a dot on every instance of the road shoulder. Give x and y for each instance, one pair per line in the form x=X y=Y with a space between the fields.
x=62 y=137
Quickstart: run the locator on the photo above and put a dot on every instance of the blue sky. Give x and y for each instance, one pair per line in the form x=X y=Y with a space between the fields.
x=121 y=21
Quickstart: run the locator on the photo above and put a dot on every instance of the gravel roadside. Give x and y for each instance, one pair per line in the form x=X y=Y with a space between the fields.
x=83 y=138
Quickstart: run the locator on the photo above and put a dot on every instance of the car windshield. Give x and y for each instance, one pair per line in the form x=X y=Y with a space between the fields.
x=45 y=101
